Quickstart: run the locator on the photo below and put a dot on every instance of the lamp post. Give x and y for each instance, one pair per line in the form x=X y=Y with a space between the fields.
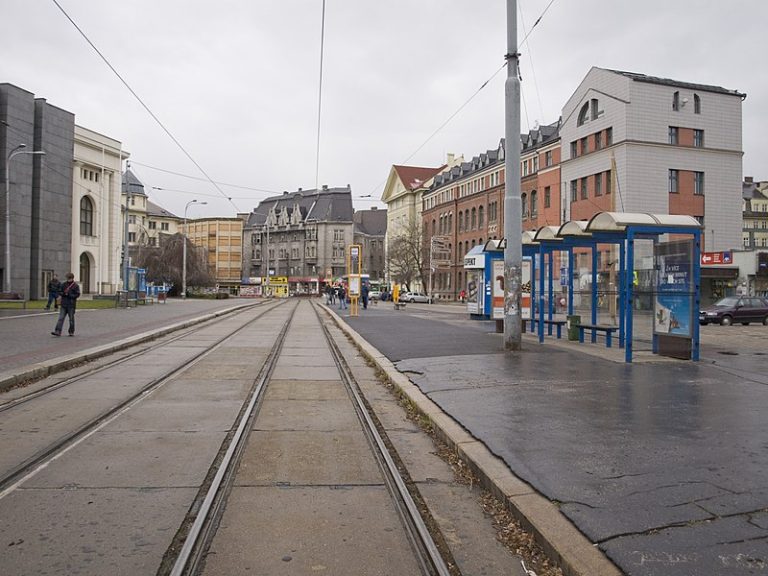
x=15 y=152
x=184 y=251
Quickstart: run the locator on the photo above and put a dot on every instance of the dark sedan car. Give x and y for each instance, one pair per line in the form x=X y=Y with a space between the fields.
x=741 y=309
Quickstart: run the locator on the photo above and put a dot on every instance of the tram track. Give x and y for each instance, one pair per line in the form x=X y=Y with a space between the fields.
x=16 y=474
x=193 y=542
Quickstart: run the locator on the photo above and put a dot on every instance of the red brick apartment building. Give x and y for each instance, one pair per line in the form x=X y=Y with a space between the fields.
x=465 y=205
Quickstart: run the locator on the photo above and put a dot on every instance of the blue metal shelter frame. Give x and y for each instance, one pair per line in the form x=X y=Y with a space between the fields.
x=621 y=229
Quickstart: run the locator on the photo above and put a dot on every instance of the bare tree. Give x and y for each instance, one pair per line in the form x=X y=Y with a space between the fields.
x=164 y=263
x=405 y=255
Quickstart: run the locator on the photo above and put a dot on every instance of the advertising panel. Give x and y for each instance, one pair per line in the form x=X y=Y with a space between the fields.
x=497 y=294
x=673 y=304
x=474 y=291
x=525 y=289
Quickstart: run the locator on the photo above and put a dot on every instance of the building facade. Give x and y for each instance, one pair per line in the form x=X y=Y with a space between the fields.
x=755 y=213
x=370 y=232
x=301 y=236
x=39 y=198
x=221 y=239
x=637 y=143
x=97 y=225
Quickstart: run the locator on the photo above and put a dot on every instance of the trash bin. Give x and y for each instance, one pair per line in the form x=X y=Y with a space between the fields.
x=573 y=326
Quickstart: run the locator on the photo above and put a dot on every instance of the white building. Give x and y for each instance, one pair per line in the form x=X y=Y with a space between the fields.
x=97 y=227
x=677 y=148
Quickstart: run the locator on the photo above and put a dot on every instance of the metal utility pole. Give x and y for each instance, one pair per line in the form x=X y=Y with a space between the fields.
x=513 y=230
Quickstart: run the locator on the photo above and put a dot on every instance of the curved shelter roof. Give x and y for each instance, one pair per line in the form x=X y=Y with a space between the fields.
x=618 y=221
x=574 y=228
x=547 y=233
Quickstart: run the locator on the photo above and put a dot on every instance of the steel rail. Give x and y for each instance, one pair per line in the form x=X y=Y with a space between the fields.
x=112 y=363
x=61 y=445
x=206 y=520
x=415 y=525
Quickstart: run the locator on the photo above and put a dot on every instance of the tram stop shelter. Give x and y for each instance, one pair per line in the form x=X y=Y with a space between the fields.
x=657 y=278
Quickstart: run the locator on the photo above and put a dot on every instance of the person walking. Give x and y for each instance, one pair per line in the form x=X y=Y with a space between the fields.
x=54 y=287
x=364 y=294
x=342 y=297
x=70 y=292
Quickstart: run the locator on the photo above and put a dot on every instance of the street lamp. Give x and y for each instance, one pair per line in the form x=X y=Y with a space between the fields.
x=184 y=251
x=15 y=152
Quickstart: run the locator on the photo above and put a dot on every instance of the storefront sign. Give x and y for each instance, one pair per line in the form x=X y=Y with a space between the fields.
x=715 y=258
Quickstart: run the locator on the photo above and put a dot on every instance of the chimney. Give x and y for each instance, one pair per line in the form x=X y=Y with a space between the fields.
x=749 y=179
x=301 y=190
x=325 y=186
x=374 y=207
x=450 y=159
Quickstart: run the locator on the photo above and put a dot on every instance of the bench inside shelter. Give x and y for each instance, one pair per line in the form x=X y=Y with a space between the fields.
x=595 y=328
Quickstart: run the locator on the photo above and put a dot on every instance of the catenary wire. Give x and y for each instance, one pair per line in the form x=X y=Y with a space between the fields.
x=144 y=105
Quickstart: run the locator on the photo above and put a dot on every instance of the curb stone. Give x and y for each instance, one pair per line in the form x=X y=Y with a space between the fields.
x=559 y=538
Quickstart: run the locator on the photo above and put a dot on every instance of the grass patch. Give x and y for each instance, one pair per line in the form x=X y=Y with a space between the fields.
x=40 y=305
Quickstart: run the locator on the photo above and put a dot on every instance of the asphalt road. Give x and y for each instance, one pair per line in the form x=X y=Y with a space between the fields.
x=663 y=465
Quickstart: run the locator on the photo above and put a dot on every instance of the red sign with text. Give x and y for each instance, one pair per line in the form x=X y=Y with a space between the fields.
x=715 y=258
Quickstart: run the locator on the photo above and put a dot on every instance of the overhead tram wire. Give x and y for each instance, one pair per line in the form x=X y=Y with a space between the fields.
x=320 y=98
x=140 y=101
x=460 y=108
x=241 y=187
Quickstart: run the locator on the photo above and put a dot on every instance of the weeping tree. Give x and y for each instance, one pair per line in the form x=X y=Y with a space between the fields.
x=405 y=255
x=163 y=263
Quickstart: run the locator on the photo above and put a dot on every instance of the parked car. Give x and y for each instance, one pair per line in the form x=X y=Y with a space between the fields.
x=419 y=297
x=374 y=295
x=735 y=309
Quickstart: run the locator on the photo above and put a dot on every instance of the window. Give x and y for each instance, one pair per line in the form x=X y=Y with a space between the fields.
x=86 y=216
x=131 y=219
x=698 y=183
x=595 y=112
x=574 y=190
x=131 y=236
x=461 y=222
x=474 y=218
x=583 y=114
x=524 y=199
x=698 y=138
x=609 y=136
x=608 y=182
x=696 y=104
x=598 y=140
x=534 y=207
x=152 y=241
x=598 y=184
x=676 y=101
x=674 y=135
x=480 y=217
x=434 y=227
x=547 y=197
x=673 y=181
x=574 y=149
x=584 y=192
x=152 y=225
x=548 y=158
x=584 y=145
x=164 y=226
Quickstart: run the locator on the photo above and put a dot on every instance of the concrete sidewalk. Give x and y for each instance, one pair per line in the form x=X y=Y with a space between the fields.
x=662 y=465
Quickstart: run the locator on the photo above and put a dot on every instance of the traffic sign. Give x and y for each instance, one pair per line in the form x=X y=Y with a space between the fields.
x=716 y=258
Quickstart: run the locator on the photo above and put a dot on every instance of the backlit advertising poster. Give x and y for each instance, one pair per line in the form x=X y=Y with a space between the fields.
x=672 y=309
x=497 y=294
x=525 y=289
x=474 y=291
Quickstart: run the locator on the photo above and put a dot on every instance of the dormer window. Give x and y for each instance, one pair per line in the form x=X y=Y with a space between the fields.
x=676 y=101
x=696 y=104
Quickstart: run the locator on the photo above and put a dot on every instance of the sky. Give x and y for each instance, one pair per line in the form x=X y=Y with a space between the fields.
x=236 y=82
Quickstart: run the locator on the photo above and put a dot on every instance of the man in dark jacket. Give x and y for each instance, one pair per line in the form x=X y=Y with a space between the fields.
x=54 y=286
x=69 y=294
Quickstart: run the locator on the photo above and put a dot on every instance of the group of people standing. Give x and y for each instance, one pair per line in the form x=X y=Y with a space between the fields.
x=63 y=296
x=338 y=293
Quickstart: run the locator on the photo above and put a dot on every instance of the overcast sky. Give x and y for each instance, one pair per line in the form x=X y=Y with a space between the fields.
x=236 y=81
